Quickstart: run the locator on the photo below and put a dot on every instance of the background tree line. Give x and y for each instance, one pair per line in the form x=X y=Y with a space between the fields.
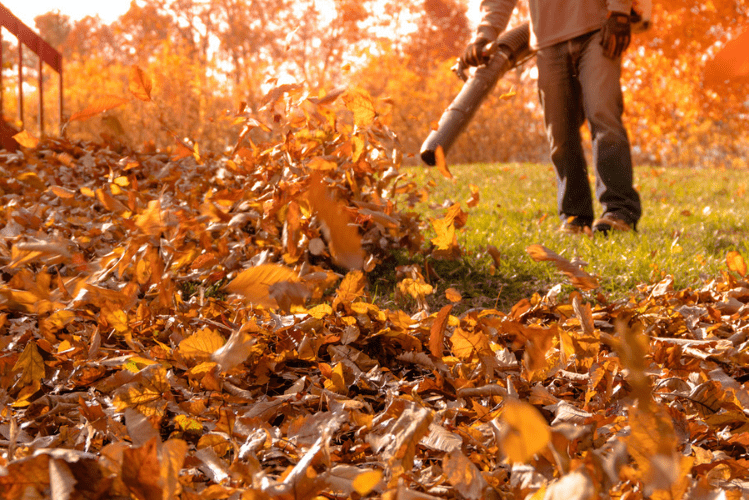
x=208 y=56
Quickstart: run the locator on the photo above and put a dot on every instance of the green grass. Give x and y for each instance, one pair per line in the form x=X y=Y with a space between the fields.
x=691 y=219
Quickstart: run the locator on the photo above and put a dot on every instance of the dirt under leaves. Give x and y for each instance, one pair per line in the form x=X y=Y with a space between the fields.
x=200 y=326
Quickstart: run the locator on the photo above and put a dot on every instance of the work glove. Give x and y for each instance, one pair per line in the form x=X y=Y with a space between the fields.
x=474 y=52
x=616 y=34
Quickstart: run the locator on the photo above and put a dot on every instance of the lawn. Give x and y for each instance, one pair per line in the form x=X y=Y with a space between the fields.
x=691 y=219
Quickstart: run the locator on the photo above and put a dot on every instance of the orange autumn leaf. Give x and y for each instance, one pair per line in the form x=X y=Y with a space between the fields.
x=360 y=103
x=351 y=288
x=473 y=201
x=440 y=163
x=30 y=364
x=463 y=475
x=437 y=331
x=736 y=263
x=729 y=64
x=525 y=431
x=254 y=283
x=201 y=345
x=139 y=84
x=151 y=220
x=578 y=277
x=466 y=343
x=344 y=240
x=453 y=295
x=141 y=471
x=446 y=234
x=25 y=139
x=99 y=106
x=366 y=481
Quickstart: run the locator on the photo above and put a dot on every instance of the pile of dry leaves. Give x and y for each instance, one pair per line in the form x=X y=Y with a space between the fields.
x=200 y=327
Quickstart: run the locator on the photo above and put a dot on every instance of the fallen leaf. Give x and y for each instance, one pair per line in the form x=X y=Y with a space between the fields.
x=525 y=432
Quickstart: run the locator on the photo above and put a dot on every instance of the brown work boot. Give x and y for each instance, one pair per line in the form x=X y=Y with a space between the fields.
x=574 y=225
x=611 y=222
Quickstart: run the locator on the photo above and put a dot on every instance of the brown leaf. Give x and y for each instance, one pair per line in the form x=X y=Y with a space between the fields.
x=30 y=364
x=437 y=331
x=344 y=239
x=139 y=84
x=578 y=277
x=99 y=106
x=463 y=475
x=141 y=472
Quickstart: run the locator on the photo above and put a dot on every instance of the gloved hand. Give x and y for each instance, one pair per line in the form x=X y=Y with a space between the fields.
x=616 y=34
x=473 y=54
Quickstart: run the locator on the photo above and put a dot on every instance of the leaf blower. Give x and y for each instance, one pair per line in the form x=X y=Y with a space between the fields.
x=508 y=51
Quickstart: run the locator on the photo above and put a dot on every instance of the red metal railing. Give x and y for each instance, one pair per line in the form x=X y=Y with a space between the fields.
x=46 y=54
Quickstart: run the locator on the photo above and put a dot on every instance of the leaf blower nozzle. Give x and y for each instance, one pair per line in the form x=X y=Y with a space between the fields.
x=508 y=51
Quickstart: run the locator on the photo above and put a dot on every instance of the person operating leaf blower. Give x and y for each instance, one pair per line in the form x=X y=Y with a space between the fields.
x=579 y=45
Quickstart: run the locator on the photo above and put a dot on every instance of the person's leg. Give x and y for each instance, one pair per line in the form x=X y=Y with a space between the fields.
x=603 y=106
x=560 y=96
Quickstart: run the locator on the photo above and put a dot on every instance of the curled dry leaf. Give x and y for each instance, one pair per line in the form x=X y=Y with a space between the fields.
x=578 y=277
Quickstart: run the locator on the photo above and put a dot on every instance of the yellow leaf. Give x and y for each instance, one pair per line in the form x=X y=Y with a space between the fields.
x=320 y=311
x=338 y=381
x=146 y=393
x=139 y=84
x=62 y=192
x=474 y=200
x=440 y=163
x=319 y=163
x=30 y=364
x=351 y=288
x=463 y=475
x=416 y=289
x=366 y=481
x=150 y=220
x=446 y=234
x=526 y=432
x=359 y=102
x=117 y=319
x=201 y=345
x=254 y=283
x=465 y=343
x=99 y=106
x=736 y=263
x=25 y=139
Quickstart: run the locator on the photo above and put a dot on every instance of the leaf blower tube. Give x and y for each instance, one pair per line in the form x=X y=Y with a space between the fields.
x=510 y=49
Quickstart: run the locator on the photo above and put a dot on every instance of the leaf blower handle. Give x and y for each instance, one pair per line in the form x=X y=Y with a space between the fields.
x=508 y=51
